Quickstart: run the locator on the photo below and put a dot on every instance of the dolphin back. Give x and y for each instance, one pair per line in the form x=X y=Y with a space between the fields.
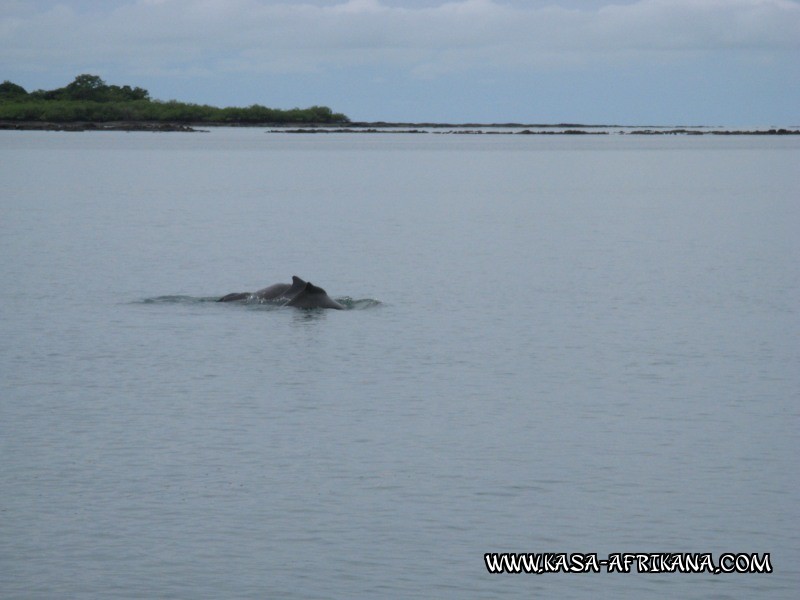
x=312 y=296
x=272 y=292
x=235 y=297
x=299 y=293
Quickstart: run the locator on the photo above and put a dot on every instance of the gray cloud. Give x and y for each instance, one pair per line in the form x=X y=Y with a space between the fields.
x=424 y=39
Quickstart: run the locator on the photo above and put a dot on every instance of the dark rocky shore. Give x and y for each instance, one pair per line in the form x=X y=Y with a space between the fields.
x=714 y=132
x=93 y=126
x=540 y=130
x=392 y=128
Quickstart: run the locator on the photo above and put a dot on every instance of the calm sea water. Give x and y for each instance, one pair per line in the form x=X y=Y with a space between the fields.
x=556 y=344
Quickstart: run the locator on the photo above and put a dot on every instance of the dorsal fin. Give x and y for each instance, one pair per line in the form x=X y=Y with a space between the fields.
x=298 y=285
x=313 y=289
x=313 y=297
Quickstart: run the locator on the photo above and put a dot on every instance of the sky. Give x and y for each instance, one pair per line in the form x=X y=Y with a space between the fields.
x=627 y=62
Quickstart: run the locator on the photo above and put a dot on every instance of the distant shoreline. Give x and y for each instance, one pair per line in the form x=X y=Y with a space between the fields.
x=530 y=130
x=90 y=104
x=382 y=127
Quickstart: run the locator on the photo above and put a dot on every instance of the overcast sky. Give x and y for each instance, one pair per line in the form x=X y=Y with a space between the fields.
x=668 y=62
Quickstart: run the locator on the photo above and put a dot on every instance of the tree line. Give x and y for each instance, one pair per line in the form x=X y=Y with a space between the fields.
x=89 y=98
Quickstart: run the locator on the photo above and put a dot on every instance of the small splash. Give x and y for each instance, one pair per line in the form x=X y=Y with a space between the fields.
x=358 y=304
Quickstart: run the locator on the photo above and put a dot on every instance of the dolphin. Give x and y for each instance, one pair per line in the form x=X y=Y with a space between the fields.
x=281 y=291
x=312 y=296
x=275 y=292
x=299 y=293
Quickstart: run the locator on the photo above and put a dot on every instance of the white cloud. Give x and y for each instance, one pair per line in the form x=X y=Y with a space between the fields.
x=204 y=36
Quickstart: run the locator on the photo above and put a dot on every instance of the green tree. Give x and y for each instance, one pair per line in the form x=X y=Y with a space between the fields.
x=89 y=98
x=86 y=87
x=11 y=91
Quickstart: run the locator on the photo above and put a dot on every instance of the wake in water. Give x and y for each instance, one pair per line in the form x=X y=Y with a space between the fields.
x=254 y=302
x=297 y=294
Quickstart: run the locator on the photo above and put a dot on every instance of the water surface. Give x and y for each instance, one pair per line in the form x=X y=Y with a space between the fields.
x=566 y=344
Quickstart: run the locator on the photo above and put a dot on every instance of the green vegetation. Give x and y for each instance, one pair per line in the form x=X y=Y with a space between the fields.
x=89 y=98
